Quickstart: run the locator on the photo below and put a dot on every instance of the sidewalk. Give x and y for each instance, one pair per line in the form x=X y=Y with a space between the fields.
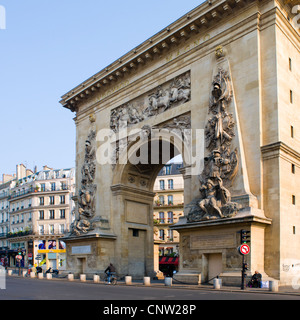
x=176 y=285
x=286 y=290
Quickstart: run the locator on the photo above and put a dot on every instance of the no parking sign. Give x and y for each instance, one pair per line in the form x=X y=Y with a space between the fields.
x=244 y=249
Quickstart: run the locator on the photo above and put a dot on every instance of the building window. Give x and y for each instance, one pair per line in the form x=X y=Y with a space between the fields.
x=51 y=228
x=162 y=217
x=51 y=199
x=293 y=169
x=53 y=186
x=61 y=228
x=62 y=213
x=170 y=199
x=291 y=96
x=52 y=215
x=161 y=234
x=294 y=230
x=41 y=229
x=170 y=184
x=170 y=235
x=135 y=232
x=161 y=200
x=170 y=217
x=290 y=64
x=64 y=186
x=41 y=214
x=42 y=201
x=293 y=199
x=162 y=184
x=43 y=187
x=292 y=131
x=62 y=199
x=168 y=169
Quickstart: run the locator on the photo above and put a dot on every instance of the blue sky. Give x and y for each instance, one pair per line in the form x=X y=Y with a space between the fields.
x=48 y=48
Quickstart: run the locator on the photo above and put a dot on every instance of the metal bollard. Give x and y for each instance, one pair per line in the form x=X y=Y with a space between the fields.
x=49 y=276
x=96 y=278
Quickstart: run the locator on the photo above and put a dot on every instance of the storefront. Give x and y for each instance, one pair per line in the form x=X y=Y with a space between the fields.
x=51 y=254
x=168 y=265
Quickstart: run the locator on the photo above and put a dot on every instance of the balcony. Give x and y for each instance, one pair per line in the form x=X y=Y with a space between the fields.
x=37 y=190
x=32 y=233
x=19 y=234
x=174 y=203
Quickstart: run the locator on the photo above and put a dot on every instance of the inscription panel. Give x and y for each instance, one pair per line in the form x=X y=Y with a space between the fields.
x=137 y=212
x=208 y=242
x=81 y=250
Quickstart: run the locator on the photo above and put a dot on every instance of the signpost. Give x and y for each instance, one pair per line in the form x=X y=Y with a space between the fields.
x=244 y=249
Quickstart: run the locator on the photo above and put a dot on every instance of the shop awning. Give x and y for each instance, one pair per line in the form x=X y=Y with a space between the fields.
x=168 y=260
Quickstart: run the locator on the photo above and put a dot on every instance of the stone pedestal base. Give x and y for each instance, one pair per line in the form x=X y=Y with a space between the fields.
x=210 y=248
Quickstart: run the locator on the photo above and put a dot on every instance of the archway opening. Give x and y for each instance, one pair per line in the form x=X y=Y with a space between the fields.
x=137 y=210
x=168 y=207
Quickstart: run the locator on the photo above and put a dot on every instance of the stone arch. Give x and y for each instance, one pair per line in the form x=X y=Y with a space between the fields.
x=132 y=202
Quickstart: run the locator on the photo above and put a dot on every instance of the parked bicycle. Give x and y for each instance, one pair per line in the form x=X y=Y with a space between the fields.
x=113 y=278
x=53 y=271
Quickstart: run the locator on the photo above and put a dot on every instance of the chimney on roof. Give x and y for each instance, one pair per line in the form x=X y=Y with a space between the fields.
x=7 y=177
x=21 y=171
x=47 y=168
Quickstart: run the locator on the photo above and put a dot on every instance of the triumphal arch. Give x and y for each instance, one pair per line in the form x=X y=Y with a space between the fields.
x=214 y=86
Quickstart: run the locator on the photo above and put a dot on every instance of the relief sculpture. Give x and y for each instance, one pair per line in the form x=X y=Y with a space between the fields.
x=162 y=98
x=221 y=164
x=86 y=194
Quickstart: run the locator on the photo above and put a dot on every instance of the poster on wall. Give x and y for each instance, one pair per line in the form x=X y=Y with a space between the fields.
x=62 y=245
x=51 y=244
x=42 y=244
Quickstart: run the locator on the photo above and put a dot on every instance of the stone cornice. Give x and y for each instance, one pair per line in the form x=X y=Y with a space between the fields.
x=200 y=18
x=120 y=189
x=279 y=149
x=115 y=76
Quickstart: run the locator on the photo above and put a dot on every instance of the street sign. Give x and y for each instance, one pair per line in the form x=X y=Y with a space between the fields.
x=19 y=257
x=244 y=249
x=38 y=257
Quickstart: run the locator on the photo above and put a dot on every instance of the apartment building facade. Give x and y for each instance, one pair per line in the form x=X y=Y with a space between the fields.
x=38 y=211
x=168 y=207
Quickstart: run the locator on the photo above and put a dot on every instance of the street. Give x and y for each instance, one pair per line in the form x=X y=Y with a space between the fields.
x=35 y=289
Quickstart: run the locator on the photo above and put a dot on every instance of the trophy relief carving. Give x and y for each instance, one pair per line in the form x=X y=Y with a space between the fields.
x=221 y=163
x=86 y=194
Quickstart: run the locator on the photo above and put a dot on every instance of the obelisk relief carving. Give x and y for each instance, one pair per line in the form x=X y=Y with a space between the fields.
x=86 y=194
x=221 y=163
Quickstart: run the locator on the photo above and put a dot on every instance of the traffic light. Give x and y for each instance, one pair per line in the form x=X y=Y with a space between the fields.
x=245 y=236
